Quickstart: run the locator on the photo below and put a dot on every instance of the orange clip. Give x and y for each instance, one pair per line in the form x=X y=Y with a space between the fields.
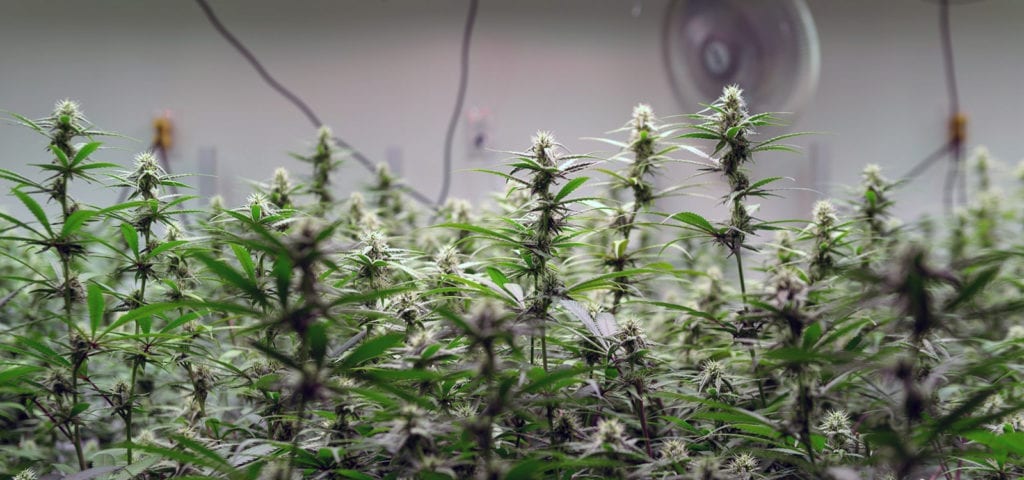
x=163 y=127
x=958 y=129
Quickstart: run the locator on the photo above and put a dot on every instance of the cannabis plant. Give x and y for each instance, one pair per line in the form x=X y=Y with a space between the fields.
x=574 y=329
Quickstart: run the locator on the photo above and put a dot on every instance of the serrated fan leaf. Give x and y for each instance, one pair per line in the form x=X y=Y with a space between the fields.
x=96 y=306
x=695 y=220
x=131 y=237
x=570 y=187
x=606 y=324
x=33 y=206
x=583 y=315
x=85 y=151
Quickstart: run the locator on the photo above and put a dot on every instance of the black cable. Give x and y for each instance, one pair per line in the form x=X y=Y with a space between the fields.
x=955 y=145
x=460 y=98
x=926 y=162
x=242 y=49
x=666 y=59
x=294 y=99
x=947 y=58
x=954 y=176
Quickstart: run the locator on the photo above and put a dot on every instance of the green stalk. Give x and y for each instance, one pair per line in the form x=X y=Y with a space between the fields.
x=737 y=252
x=131 y=403
x=135 y=364
x=619 y=266
x=65 y=265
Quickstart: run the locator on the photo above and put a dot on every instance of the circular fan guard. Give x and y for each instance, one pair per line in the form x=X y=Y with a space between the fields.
x=768 y=47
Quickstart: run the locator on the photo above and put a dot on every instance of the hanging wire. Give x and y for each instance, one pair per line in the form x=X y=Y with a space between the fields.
x=460 y=97
x=954 y=146
x=313 y=118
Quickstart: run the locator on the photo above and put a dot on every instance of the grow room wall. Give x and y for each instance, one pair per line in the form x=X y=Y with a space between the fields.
x=383 y=75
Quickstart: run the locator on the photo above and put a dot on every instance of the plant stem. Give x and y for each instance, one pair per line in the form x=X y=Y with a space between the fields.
x=131 y=403
x=737 y=252
x=65 y=265
x=620 y=264
x=544 y=347
x=135 y=364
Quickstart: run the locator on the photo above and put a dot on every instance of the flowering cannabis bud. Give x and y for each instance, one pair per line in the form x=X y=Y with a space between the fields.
x=784 y=248
x=202 y=382
x=790 y=290
x=734 y=107
x=674 y=451
x=824 y=214
x=610 y=431
x=457 y=210
x=67 y=122
x=67 y=108
x=408 y=309
x=73 y=288
x=58 y=383
x=147 y=177
x=632 y=336
x=80 y=347
x=564 y=426
x=872 y=175
x=388 y=199
x=642 y=140
x=836 y=423
x=823 y=226
x=465 y=410
x=543 y=148
x=486 y=319
x=216 y=204
x=643 y=118
x=1018 y=172
x=324 y=134
x=262 y=368
x=706 y=467
x=712 y=374
x=121 y=398
x=280 y=189
x=743 y=466
x=981 y=161
x=376 y=246
x=447 y=260
x=323 y=165
x=356 y=207
x=874 y=209
x=259 y=200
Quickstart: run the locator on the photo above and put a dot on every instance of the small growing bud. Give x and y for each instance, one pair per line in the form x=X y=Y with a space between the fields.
x=824 y=214
x=543 y=148
x=147 y=177
x=281 y=188
x=743 y=466
x=565 y=426
x=610 y=431
x=836 y=423
x=712 y=374
x=674 y=451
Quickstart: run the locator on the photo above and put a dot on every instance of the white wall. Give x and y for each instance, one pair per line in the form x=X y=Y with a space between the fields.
x=383 y=73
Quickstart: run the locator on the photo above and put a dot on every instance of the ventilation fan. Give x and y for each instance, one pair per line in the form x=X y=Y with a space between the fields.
x=767 y=47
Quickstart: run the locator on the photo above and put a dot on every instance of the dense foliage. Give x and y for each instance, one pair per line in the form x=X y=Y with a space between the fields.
x=556 y=336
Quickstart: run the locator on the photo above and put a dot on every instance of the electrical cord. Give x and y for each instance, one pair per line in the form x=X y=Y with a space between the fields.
x=460 y=97
x=313 y=118
x=954 y=146
x=666 y=59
